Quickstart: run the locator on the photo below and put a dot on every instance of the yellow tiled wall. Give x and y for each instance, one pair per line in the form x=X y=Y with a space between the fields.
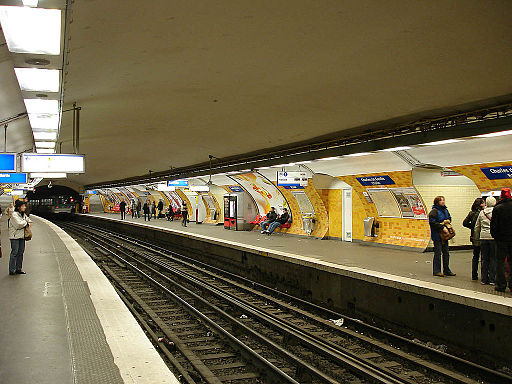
x=482 y=182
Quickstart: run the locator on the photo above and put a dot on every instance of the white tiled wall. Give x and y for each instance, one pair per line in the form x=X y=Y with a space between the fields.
x=459 y=199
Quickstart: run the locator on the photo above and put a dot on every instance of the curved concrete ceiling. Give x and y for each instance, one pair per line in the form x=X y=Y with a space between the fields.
x=167 y=83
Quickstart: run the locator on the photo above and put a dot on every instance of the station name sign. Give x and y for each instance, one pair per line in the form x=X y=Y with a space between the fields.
x=375 y=180
x=292 y=180
x=497 y=173
x=235 y=188
x=7 y=162
x=36 y=162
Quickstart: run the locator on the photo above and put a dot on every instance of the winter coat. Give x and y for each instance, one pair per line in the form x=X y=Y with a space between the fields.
x=146 y=208
x=283 y=219
x=437 y=215
x=483 y=224
x=160 y=206
x=153 y=208
x=271 y=216
x=469 y=222
x=122 y=206
x=17 y=224
x=501 y=221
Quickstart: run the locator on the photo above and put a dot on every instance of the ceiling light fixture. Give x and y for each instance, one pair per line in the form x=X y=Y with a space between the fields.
x=359 y=154
x=449 y=141
x=31 y=30
x=495 y=134
x=395 y=149
x=37 y=79
x=329 y=158
x=45 y=150
x=52 y=136
x=30 y=3
x=304 y=162
x=50 y=107
x=44 y=121
x=45 y=144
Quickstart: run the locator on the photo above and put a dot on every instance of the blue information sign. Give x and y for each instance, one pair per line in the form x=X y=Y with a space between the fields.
x=497 y=173
x=235 y=188
x=375 y=180
x=7 y=162
x=177 y=183
x=91 y=192
x=293 y=187
x=13 y=178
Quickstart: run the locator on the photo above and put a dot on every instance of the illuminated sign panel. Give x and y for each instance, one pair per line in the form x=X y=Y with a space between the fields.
x=7 y=162
x=292 y=180
x=13 y=178
x=497 y=173
x=177 y=183
x=38 y=162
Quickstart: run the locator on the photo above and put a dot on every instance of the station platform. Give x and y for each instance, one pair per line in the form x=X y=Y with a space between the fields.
x=63 y=322
x=408 y=270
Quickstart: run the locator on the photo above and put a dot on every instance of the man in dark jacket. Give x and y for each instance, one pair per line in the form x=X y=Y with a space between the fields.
x=160 y=209
x=282 y=219
x=501 y=231
x=271 y=217
x=122 y=209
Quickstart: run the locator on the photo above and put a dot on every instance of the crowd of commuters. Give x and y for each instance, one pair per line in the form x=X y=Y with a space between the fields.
x=490 y=222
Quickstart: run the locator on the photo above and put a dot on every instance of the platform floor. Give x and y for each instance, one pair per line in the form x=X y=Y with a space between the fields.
x=404 y=263
x=62 y=322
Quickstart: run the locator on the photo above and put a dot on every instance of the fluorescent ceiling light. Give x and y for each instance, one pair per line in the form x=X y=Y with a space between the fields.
x=31 y=30
x=359 y=154
x=245 y=170
x=45 y=144
x=263 y=168
x=30 y=3
x=37 y=79
x=283 y=165
x=45 y=150
x=44 y=121
x=449 y=141
x=45 y=136
x=303 y=162
x=396 y=149
x=329 y=158
x=496 y=134
x=42 y=106
x=56 y=175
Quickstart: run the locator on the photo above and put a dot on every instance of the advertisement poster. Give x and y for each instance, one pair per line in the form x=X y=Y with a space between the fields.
x=263 y=191
x=385 y=202
x=419 y=210
x=403 y=203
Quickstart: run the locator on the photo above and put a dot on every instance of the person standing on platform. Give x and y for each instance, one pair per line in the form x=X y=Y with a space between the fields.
x=147 y=211
x=469 y=222
x=271 y=217
x=160 y=208
x=282 y=219
x=438 y=217
x=170 y=213
x=133 y=208
x=487 y=243
x=17 y=224
x=122 y=209
x=501 y=231
x=153 y=209
x=184 y=214
x=139 y=208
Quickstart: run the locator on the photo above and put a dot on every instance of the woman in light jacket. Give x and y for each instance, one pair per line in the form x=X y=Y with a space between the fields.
x=487 y=243
x=17 y=223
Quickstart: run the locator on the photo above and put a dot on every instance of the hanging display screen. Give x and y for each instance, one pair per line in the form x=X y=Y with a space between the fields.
x=7 y=162
x=38 y=162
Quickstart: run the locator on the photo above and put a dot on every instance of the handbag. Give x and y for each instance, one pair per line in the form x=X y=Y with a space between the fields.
x=445 y=236
x=28 y=233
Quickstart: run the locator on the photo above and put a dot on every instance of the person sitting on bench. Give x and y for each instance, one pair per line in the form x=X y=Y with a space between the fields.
x=282 y=219
x=271 y=217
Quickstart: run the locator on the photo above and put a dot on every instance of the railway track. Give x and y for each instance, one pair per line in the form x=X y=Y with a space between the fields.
x=216 y=327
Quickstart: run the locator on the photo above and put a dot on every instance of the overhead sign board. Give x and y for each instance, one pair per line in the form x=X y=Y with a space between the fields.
x=177 y=183
x=38 y=162
x=199 y=188
x=235 y=188
x=375 y=180
x=7 y=162
x=164 y=187
x=13 y=178
x=91 y=192
x=292 y=180
x=497 y=173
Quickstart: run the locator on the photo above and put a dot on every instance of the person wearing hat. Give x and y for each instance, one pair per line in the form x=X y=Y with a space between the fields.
x=501 y=231
x=17 y=224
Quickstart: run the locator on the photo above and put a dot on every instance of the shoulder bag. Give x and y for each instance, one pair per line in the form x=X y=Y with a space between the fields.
x=445 y=236
x=28 y=233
